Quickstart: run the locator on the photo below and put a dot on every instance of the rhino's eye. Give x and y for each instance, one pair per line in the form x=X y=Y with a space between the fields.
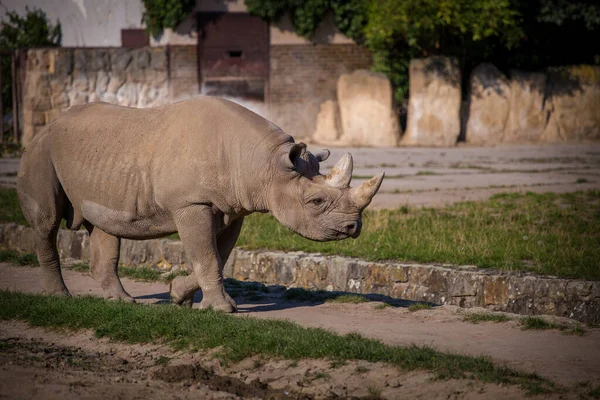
x=317 y=201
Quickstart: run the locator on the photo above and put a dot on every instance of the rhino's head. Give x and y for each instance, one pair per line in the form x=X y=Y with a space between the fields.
x=318 y=207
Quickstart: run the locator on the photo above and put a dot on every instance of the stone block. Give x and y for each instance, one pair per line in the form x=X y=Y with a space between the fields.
x=527 y=116
x=489 y=106
x=434 y=102
x=328 y=129
x=573 y=104
x=366 y=109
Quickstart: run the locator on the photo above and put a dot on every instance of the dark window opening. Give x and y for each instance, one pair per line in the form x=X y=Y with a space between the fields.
x=134 y=38
x=235 y=54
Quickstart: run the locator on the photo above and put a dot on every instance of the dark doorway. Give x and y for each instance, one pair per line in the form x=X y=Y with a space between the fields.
x=233 y=54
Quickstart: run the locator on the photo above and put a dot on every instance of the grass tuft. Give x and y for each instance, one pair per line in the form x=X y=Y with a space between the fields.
x=349 y=298
x=476 y=318
x=538 y=323
x=419 y=306
x=239 y=338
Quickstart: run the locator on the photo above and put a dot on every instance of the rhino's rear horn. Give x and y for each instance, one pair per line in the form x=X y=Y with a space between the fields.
x=322 y=155
x=341 y=174
x=363 y=194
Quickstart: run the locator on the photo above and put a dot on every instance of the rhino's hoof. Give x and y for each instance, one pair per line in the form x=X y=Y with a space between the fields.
x=224 y=306
x=126 y=299
x=187 y=303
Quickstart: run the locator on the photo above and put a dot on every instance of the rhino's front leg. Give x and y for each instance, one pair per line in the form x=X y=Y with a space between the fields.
x=197 y=229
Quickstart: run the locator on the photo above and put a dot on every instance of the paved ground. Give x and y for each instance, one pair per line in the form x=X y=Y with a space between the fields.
x=436 y=176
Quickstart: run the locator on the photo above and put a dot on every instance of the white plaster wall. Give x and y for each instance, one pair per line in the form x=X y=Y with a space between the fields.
x=98 y=23
x=85 y=23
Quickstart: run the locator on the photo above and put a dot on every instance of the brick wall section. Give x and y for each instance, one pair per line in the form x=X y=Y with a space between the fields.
x=183 y=72
x=304 y=76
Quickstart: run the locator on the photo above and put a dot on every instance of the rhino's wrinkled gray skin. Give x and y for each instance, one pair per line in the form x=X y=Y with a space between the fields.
x=196 y=167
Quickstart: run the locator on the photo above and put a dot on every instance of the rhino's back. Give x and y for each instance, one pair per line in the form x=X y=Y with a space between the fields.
x=137 y=164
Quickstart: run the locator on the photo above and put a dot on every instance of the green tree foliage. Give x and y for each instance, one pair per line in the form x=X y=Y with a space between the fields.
x=161 y=14
x=306 y=15
x=19 y=32
x=559 y=12
x=399 y=30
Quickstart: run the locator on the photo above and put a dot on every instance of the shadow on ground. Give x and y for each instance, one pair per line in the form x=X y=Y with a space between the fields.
x=257 y=297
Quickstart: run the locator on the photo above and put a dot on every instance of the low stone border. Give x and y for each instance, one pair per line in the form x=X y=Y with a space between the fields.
x=514 y=292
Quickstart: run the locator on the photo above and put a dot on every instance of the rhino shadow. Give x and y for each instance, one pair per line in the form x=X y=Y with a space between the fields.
x=254 y=297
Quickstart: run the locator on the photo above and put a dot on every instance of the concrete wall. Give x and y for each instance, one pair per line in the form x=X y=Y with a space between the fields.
x=98 y=23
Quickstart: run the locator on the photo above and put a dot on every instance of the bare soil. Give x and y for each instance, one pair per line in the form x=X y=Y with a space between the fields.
x=43 y=364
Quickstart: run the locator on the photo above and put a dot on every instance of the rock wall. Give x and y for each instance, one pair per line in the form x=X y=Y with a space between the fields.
x=561 y=105
x=518 y=293
x=59 y=78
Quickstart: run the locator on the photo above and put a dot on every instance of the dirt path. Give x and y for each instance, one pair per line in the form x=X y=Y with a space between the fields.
x=42 y=364
x=562 y=358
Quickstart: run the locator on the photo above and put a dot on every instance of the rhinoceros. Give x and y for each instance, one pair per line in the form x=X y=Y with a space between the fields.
x=196 y=167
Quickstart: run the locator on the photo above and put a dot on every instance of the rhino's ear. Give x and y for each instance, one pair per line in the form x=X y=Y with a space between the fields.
x=296 y=151
x=323 y=155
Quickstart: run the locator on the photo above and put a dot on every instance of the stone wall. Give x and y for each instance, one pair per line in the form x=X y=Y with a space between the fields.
x=56 y=79
x=513 y=292
x=304 y=76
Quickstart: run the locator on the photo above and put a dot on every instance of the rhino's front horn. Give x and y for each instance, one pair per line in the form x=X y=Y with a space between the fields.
x=341 y=174
x=363 y=194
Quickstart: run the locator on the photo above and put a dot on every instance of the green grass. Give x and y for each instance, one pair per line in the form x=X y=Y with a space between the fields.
x=419 y=306
x=476 y=318
x=241 y=337
x=539 y=323
x=10 y=210
x=382 y=306
x=18 y=258
x=554 y=234
x=349 y=298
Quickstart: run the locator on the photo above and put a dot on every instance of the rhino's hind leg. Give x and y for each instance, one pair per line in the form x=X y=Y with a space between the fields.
x=43 y=201
x=47 y=254
x=104 y=261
